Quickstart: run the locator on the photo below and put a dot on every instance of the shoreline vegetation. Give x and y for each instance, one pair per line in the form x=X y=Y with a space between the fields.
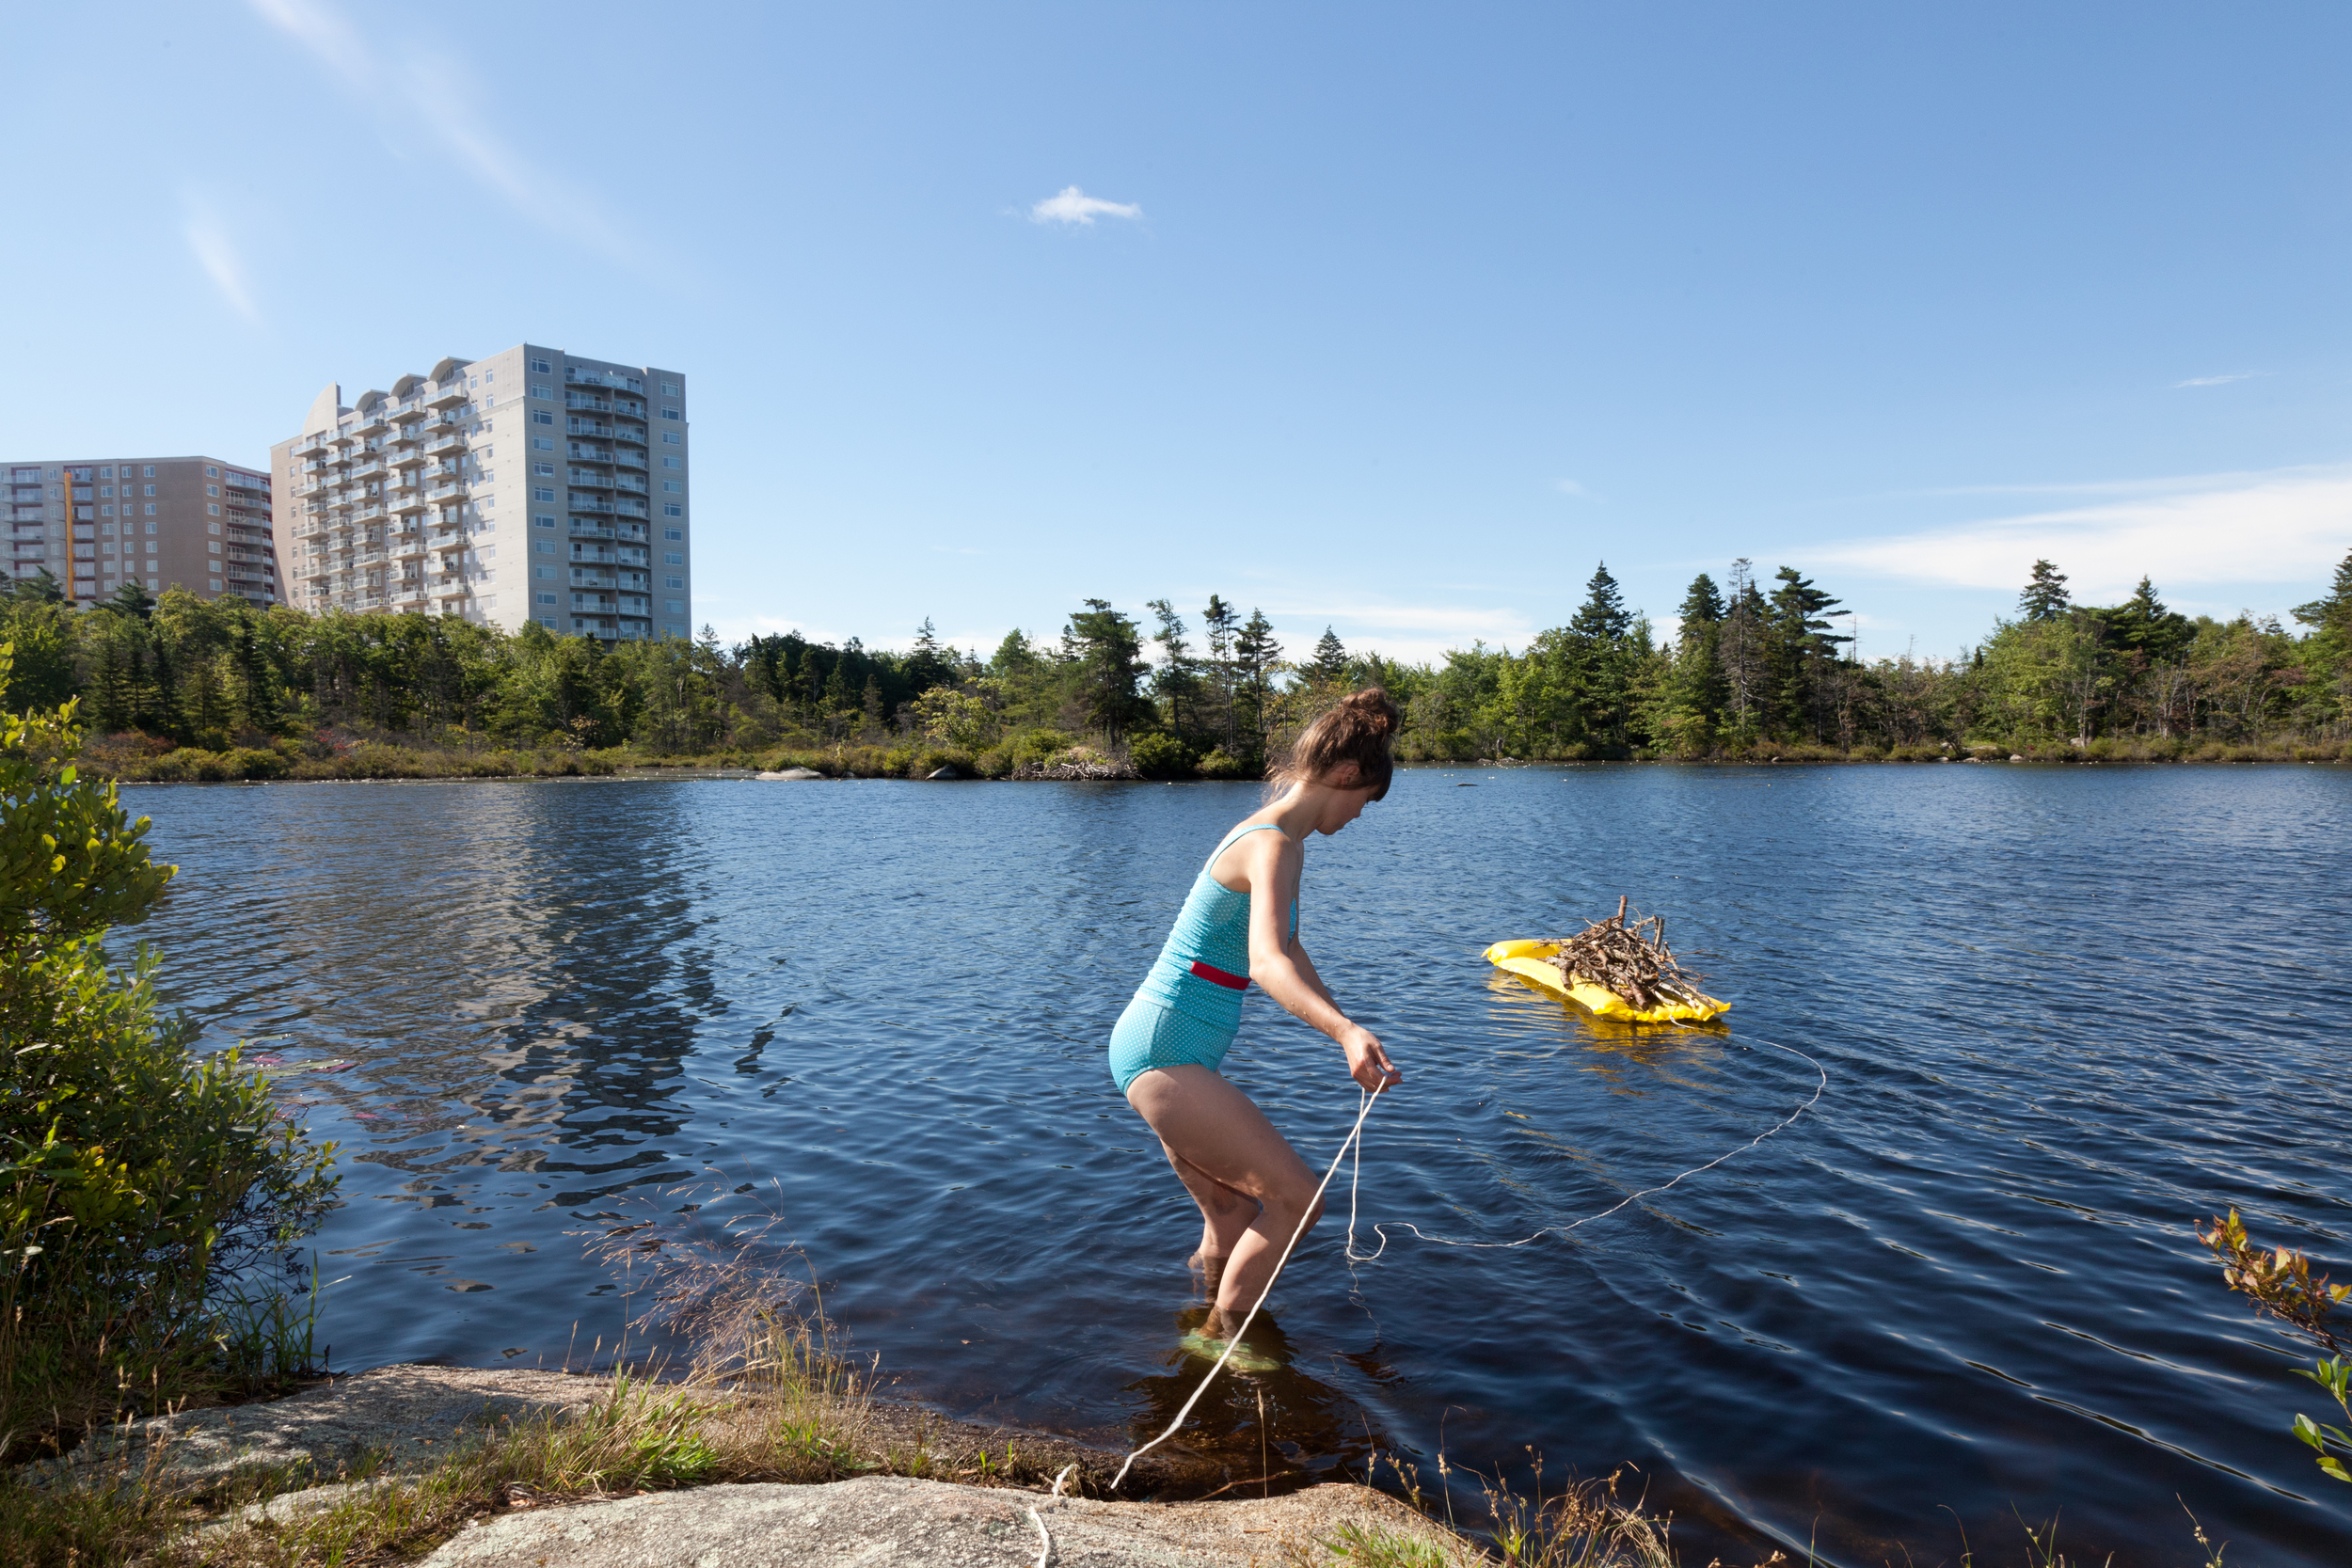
x=180 y=689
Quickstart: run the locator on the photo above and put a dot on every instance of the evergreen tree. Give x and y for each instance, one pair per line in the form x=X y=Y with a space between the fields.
x=1697 y=691
x=1593 y=662
x=41 y=588
x=1801 y=651
x=1219 y=621
x=929 y=663
x=1329 y=665
x=2141 y=623
x=2332 y=613
x=1107 y=648
x=2044 y=598
x=1177 y=680
x=1257 y=659
x=1741 y=647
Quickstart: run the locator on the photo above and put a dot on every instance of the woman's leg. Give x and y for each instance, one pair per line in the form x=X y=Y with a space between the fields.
x=1225 y=1216
x=1212 y=1126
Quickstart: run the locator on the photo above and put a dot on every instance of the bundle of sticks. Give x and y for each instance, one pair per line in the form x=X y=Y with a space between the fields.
x=1632 y=960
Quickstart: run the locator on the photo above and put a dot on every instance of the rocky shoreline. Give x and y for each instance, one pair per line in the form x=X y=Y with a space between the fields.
x=952 y=1493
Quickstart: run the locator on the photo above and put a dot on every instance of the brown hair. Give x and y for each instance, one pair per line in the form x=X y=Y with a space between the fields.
x=1361 y=730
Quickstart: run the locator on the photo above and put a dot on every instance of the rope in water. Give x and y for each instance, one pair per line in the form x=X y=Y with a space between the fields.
x=1355 y=1176
x=1235 y=1343
x=1355 y=1141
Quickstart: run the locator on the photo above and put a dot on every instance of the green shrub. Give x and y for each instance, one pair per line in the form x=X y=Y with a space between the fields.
x=136 y=1181
x=1160 y=756
x=1038 y=747
x=1222 y=764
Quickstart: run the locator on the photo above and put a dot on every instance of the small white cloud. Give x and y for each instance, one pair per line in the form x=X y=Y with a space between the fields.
x=2215 y=380
x=208 y=237
x=1074 y=205
x=1570 y=487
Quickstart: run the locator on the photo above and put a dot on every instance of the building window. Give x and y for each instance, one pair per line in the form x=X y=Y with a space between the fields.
x=542 y=443
x=540 y=366
x=669 y=388
x=539 y=391
x=216 y=585
x=673 y=534
x=673 y=462
x=213 y=508
x=672 y=414
x=673 y=558
x=150 y=473
x=674 y=607
x=540 y=415
x=543 y=493
x=544 y=521
x=671 y=488
x=150 y=512
x=151 y=489
x=547 y=598
x=675 y=631
x=150 y=528
x=546 y=468
x=671 y=437
x=672 y=508
x=210 y=472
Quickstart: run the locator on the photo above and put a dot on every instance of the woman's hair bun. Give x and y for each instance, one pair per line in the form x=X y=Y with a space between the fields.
x=1373 y=709
x=1354 y=739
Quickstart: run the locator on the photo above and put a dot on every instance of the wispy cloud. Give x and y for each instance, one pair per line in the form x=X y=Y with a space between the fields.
x=1073 y=205
x=1570 y=487
x=2216 y=380
x=432 y=95
x=2192 y=536
x=216 y=253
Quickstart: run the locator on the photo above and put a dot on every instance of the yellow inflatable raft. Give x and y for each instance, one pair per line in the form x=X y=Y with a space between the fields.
x=1527 y=960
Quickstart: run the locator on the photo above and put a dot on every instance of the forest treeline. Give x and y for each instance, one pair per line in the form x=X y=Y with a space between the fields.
x=1756 y=668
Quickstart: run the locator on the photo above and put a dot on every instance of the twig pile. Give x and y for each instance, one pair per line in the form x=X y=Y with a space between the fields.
x=1632 y=960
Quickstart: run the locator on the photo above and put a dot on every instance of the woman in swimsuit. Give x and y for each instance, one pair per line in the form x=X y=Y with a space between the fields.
x=1239 y=924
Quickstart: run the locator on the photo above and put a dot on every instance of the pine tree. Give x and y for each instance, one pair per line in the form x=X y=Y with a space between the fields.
x=1177 y=680
x=1595 y=659
x=1698 y=690
x=1330 y=663
x=2333 y=612
x=1741 y=648
x=1256 y=658
x=1107 y=648
x=1802 y=649
x=2044 y=598
x=1219 y=621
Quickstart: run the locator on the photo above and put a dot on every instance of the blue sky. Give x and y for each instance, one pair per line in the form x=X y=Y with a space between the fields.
x=1394 y=318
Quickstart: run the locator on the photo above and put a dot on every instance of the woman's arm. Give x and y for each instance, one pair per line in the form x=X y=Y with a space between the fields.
x=1278 y=962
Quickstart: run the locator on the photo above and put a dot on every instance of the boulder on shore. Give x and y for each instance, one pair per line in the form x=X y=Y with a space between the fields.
x=912 y=1522
x=949 y=772
x=792 y=775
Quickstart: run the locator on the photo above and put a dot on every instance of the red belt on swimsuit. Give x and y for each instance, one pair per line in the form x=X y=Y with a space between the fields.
x=1217 y=976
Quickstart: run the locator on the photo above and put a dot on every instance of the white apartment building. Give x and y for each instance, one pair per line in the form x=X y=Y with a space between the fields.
x=94 y=524
x=532 y=486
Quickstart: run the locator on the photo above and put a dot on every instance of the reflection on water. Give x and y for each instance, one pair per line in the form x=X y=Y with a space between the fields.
x=1964 y=1279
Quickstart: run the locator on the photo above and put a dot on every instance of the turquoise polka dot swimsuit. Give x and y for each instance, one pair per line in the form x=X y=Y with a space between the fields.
x=1188 y=1007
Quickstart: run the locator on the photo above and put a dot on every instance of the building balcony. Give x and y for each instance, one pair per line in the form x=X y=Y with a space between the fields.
x=408 y=545
x=409 y=499
x=371 y=424
x=629 y=459
x=590 y=477
x=447 y=441
x=589 y=503
x=449 y=394
x=452 y=492
x=630 y=434
x=373 y=464
x=577 y=377
x=587 y=400
x=361 y=514
x=591 y=577
x=586 y=451
x=407 y=457
x=637 y=483
x=627 y=508
x=630 y=406
x=584 y=530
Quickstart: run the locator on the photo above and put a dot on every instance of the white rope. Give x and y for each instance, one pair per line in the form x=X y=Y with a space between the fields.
x=1234 y=1342
x=1045 y=1542
x=1354 y=1141
x=1357 y=1175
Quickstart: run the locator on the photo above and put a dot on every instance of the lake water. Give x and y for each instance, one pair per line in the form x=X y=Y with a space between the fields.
x=2064 y=1014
